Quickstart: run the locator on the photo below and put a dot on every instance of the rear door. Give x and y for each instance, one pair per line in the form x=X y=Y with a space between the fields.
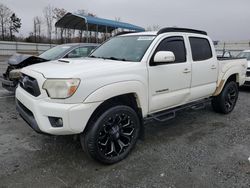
x=169 y=83
x=204 y=67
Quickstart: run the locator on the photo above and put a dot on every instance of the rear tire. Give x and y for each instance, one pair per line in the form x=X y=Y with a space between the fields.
x=111 y=136
x=226 y=101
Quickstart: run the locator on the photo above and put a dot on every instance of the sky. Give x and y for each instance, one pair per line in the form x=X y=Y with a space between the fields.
x=227 y=20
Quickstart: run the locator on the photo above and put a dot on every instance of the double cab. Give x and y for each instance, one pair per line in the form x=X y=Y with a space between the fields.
x=133 y=77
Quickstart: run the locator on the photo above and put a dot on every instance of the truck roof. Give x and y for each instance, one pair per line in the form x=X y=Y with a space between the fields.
x=149 y=33
x=168 y=30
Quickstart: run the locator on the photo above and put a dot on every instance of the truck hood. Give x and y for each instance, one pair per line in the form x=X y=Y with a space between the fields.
x=72 y=68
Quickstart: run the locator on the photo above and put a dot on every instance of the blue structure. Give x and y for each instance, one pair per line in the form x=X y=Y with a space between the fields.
x=89 y=23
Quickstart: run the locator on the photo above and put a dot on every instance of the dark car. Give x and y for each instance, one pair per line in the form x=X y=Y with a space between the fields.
x=16 y=62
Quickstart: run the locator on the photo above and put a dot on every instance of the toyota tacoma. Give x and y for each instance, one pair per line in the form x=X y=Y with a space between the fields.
x=131 y=78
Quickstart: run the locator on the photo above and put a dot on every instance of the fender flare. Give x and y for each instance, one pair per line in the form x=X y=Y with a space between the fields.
x=225 y=77
x=120 y=88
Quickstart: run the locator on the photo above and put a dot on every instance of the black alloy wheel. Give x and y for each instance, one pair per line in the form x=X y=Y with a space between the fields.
x=112 y=135
x=231 y=98
x=226 y=101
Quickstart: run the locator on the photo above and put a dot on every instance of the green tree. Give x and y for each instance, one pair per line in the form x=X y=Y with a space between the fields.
x=15 y=25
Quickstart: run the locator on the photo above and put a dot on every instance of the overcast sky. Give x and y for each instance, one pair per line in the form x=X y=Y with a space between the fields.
x=222 y=19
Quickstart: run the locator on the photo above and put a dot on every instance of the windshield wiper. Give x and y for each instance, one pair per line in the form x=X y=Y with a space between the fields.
x=115 y=58
x=111 y=58
x=92 y=56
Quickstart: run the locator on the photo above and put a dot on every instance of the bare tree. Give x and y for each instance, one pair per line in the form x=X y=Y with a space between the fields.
x=49 y=20
x=82 y=11
x=118 y=19
x=37 y=26
x=153 y=28
x=5 y=14
x=58 y=14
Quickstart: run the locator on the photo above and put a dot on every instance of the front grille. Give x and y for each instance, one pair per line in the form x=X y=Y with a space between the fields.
x=30 y=85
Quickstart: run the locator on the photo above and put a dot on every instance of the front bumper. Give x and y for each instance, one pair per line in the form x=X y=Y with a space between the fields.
x=8 y=84
x=36 y=113
x=247 y=82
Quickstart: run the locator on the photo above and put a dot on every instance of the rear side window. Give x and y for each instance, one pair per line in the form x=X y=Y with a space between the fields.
x=201 y=49
x=175 y=45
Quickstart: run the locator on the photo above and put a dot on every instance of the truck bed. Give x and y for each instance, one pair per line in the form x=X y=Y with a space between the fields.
x=228 y=58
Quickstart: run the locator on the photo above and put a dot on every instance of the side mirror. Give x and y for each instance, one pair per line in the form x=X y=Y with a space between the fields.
x=164 y=57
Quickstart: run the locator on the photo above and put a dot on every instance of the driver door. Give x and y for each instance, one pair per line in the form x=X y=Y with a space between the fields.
x=169 y=83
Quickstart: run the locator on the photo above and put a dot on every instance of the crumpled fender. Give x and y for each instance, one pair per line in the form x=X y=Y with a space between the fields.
x=223 y=79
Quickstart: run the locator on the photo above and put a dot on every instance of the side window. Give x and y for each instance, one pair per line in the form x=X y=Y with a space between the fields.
x=175 y=45
x=84 y=51
x=74 y=53
x=201 y=49
x=79 y=52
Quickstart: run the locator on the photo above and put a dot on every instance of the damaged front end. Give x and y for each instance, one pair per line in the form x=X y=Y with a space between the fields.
x=15 y=63
x=7 y=82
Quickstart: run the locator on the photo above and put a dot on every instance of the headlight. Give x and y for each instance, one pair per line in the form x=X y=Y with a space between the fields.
x=61 y=88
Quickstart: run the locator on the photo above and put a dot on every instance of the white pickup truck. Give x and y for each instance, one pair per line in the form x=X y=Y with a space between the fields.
x=130 y=78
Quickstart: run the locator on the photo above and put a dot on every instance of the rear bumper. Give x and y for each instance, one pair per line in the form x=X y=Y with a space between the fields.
x=8 y=84
x=36 y=113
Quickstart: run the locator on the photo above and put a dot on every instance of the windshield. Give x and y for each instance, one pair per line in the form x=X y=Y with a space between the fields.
x=55 y=52
x=124 y=48
x=244 y=55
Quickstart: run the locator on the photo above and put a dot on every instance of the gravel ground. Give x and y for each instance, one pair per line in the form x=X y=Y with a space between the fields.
x=197 y=149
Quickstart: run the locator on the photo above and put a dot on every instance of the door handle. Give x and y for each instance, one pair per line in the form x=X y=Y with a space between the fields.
x=186 y=70
x=213 y=67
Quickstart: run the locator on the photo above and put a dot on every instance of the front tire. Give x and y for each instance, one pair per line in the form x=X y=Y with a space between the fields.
x=111 y=136
x=226 y=101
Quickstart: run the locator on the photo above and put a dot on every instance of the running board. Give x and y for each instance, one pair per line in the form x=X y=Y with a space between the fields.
x=171 y=113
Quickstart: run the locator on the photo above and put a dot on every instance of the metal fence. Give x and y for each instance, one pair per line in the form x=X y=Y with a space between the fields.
x=10 y=48
x=234 y=47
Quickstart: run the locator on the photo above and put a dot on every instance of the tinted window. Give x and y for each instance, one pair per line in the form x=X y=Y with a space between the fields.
x=201 y=49
x=175 y=45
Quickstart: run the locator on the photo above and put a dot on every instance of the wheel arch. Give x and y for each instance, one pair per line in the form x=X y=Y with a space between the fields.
x=129 y=99
x=228 y=76
x=120 y=89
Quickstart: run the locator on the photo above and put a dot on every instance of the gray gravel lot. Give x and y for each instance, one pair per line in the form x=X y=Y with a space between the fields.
x=197 y=149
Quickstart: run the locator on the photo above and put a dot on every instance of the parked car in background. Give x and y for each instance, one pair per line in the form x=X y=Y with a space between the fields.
x=246 y=54
x=16 y=62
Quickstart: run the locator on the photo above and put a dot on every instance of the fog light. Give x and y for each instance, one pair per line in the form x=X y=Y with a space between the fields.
x=56 y=121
